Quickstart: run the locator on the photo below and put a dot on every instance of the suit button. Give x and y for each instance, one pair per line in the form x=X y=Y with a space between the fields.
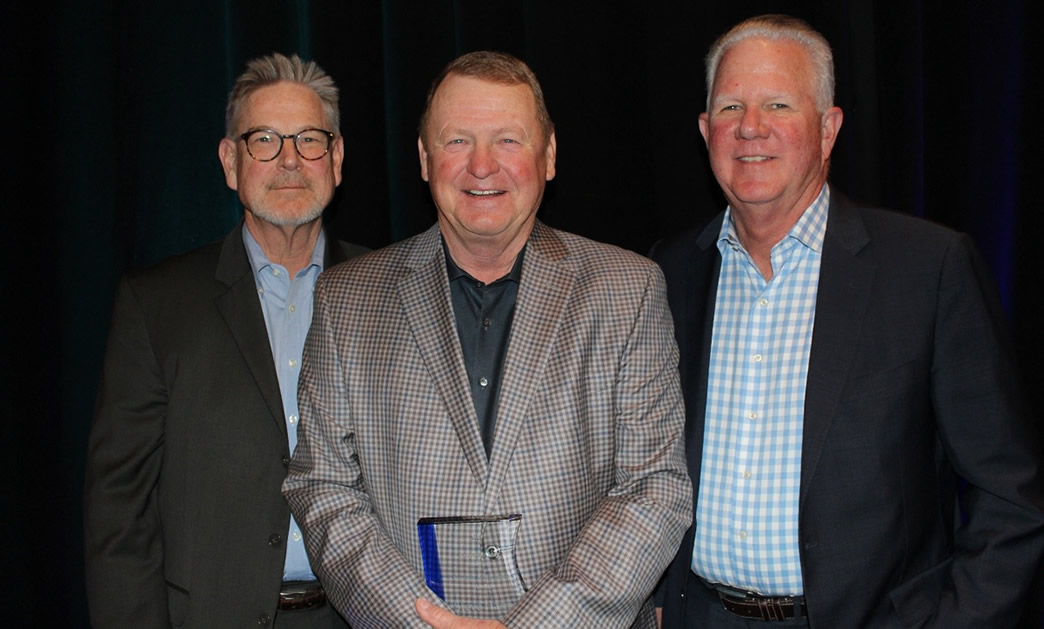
x=286 y=461
x=275 y=539
x=264 y=620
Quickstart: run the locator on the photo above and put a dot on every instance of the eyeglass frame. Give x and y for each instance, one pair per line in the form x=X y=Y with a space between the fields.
x=282 y=137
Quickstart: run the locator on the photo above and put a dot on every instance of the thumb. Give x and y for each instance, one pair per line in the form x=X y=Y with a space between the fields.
x=432 y=614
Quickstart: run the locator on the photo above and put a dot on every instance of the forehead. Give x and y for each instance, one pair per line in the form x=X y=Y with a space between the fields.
x=760 y=62
x=286 y=106
x=469 y=100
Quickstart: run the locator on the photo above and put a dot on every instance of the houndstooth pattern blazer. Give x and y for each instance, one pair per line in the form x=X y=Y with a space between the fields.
x=587 y=447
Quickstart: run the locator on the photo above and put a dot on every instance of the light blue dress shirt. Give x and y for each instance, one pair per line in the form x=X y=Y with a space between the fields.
x=287 y=305
x=750 y=475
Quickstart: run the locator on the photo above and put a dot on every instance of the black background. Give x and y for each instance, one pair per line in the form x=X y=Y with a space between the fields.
x=115 y=109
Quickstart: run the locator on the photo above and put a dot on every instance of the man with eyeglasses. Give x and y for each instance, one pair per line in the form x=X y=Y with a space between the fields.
x=197 y=411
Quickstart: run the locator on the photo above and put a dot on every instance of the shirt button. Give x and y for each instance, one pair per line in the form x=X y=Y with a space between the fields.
x=293 y=308
x=292 y=419
x=762 y=302
x=757 y=358
x=743 y=535
x=483 y=382
x=485 y=324
x=492 y=552
x=275 y=272
x=752 y=415
x=293 y=362
x=746 y=473
x=260 y=291
x=297 y=536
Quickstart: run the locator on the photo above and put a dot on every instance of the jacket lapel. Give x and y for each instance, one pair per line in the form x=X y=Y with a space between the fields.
x=426 y=302
x=845 y=282
x=696 y=322
x=240 y=309
x=542 y=296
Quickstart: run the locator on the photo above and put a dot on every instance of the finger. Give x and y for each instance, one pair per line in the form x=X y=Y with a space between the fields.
x=432 y=614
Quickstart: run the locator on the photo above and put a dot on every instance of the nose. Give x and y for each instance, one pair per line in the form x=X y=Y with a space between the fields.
x=288 y=157
x=751 y=124
x=482 y=162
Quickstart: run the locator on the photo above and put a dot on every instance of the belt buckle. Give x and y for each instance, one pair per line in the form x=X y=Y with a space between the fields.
x=298 y=595
x=769 y=608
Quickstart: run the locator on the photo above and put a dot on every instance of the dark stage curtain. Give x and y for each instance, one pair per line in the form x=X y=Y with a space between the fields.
x=116 y=107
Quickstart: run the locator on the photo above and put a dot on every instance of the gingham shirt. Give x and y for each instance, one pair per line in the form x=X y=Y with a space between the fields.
x=747 y=508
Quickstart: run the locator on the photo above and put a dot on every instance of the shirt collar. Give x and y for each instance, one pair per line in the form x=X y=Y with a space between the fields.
x=809 y=230
x=456 y=273
x=259 y=261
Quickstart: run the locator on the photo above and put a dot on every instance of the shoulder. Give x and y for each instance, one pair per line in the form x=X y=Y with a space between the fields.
x=179 y=273
x=584 y=255
x=350 y=250
x=885 y=228
x=371 y=274
x=687 y=253
x=909 y=253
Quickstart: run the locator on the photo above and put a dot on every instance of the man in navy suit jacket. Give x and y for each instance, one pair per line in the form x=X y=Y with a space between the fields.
x=841 y=366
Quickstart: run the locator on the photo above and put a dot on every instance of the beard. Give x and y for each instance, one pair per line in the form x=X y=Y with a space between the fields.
x=296 y=213
x=288 y=218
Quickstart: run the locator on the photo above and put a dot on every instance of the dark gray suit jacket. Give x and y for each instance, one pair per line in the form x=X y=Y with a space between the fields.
x=910 y=380
x=184 y=520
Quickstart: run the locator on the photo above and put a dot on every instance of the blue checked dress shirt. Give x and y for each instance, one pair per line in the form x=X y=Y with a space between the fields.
x=288 y=314
x=750 y=475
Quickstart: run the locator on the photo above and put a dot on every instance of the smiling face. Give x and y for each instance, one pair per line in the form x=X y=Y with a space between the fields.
x=486 y=161
x=287 y=190
x=769 y=146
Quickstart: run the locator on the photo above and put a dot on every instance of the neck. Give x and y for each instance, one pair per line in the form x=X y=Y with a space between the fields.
x=290 y=246
x=485 y=261
x=760 y=228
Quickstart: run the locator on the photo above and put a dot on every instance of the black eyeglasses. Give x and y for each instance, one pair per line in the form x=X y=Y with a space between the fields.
x=264 y=145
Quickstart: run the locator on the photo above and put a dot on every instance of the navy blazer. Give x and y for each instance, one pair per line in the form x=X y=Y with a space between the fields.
x=911 y=382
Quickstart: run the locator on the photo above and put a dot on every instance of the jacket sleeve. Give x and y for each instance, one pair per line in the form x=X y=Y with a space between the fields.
x=984 y=426
x=365 y=576
x=122 y=535
x=613 y=565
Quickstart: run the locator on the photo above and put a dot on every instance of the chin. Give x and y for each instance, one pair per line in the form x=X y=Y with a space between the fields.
x=289 y=218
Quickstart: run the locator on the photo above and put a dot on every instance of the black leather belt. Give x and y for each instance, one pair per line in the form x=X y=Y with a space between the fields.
x=297 y=595
x=751 y=605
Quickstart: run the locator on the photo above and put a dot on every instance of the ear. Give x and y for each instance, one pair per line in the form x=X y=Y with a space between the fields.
x=704 y=126
x=831 y=126
x=423 y=155
x=549 y=153
x=227 y=155
x=337 y=157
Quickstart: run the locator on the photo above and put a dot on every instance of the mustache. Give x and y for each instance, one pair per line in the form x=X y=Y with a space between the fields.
x=289 y=180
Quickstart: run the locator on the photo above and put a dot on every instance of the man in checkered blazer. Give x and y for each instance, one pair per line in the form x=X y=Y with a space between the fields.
x=516 y=383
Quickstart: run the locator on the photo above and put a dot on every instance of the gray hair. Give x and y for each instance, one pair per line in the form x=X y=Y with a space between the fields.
x=275 y=68
x=495 y=67
x=777 y=27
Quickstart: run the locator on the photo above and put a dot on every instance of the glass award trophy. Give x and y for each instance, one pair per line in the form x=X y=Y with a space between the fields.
x=469 y=562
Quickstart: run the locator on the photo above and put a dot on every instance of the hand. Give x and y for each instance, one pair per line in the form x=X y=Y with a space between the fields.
x=440 y=618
